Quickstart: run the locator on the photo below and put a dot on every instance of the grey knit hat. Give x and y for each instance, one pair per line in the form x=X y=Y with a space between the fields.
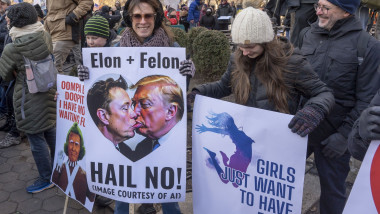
x=22 y=14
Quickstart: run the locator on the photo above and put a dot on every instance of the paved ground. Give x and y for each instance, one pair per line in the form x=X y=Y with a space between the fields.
x=17 y=170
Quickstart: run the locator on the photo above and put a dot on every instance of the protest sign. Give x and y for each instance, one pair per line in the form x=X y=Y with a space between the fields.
x=365 y=194
x=136 y=124
x=69 y=171
x=245 y=160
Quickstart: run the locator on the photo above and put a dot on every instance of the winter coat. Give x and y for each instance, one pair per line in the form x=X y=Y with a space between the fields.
x=39 y=108
x=3 y=32
x=356 y=145
x=58 y=10
x=208 y=22
x=303 y=81
x=334 y=57
x=194 y=11
x=112 y=19
x=224 y=10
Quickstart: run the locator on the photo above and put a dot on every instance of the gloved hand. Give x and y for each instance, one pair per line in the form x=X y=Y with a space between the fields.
x=187 y=68
x=335 y=145
x=190 y=98
x=369 y=124
x=306 y=120
x=71 y=19
x=83 y=72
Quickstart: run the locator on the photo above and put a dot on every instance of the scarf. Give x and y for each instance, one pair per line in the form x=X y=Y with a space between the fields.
x=27 y=29
x=158 y=39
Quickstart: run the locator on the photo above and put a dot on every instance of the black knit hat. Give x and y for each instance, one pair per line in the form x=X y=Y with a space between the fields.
x=39 y=11
x=97 y=26
x=22 y=14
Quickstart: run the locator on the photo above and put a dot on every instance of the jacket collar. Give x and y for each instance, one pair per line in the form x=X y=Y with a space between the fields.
x=341 y=27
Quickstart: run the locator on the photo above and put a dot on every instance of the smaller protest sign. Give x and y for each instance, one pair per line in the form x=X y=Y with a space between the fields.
x=69 y=168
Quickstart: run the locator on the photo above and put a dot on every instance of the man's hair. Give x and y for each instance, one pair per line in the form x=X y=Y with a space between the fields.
x=99 y=95
x=76 y=130
x=168 y=88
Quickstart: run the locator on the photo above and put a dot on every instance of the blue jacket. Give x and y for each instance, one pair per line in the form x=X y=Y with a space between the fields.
x=194 y=11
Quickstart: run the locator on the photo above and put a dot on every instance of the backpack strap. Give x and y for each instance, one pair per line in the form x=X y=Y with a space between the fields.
x=301 y=35
x=23 y=98
x=362 y=45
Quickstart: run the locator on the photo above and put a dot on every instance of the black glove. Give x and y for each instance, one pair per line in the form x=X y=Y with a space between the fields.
x=190 y=98
x=71 y=19
x=306 y=120
x=187 y=68
x=369 y=124
x=335 y=145
x=83 y=72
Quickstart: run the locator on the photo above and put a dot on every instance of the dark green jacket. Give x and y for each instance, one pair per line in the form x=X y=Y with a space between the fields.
x=39 y=109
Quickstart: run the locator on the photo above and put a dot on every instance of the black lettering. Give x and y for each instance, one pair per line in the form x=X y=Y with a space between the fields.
x=142 y=58
x=151 y=178
x=164 y=178
x=93 y=60
x=98 y=172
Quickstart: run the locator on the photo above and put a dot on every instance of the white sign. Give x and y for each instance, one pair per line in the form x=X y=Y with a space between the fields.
x=136 y=123
x=69 y=171
x=365 y=195
x=245 y=160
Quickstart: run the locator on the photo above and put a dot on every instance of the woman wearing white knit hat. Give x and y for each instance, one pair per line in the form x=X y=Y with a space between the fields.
x=267 y=73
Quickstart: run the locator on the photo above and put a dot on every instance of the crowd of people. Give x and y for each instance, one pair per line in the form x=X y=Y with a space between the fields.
x=327 y=75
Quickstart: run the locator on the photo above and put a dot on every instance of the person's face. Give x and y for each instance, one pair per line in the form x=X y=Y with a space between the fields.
x=73 y=146
x=143 y=17
x=95 y=41
x=3 y=7
x=328 y=14
x=151 y=111
x=251 y=50
x=120 y=117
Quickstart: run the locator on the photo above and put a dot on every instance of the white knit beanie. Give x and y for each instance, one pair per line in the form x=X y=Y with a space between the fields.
x=252 y=26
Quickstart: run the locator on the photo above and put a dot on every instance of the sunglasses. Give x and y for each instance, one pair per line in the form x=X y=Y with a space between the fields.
x=139 y=17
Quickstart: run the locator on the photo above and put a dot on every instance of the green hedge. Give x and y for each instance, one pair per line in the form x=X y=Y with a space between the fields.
x=211 y=52
x=180 y=36
x=192 y=34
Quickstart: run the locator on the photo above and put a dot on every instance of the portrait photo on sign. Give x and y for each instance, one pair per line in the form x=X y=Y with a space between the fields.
x=136 y=118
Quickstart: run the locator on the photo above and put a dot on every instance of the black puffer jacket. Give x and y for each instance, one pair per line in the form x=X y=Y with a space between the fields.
x=334 y=56
x=208 y=21
x=224 y=10
x=304 y=81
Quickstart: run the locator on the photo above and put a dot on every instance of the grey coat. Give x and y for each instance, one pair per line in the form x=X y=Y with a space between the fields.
x=303 y=80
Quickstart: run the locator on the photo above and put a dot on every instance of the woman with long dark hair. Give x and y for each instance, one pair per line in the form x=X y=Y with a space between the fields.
x=266 y=72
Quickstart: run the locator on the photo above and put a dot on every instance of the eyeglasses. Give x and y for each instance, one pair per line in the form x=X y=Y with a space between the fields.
x=147 y=17
x=323 y=8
